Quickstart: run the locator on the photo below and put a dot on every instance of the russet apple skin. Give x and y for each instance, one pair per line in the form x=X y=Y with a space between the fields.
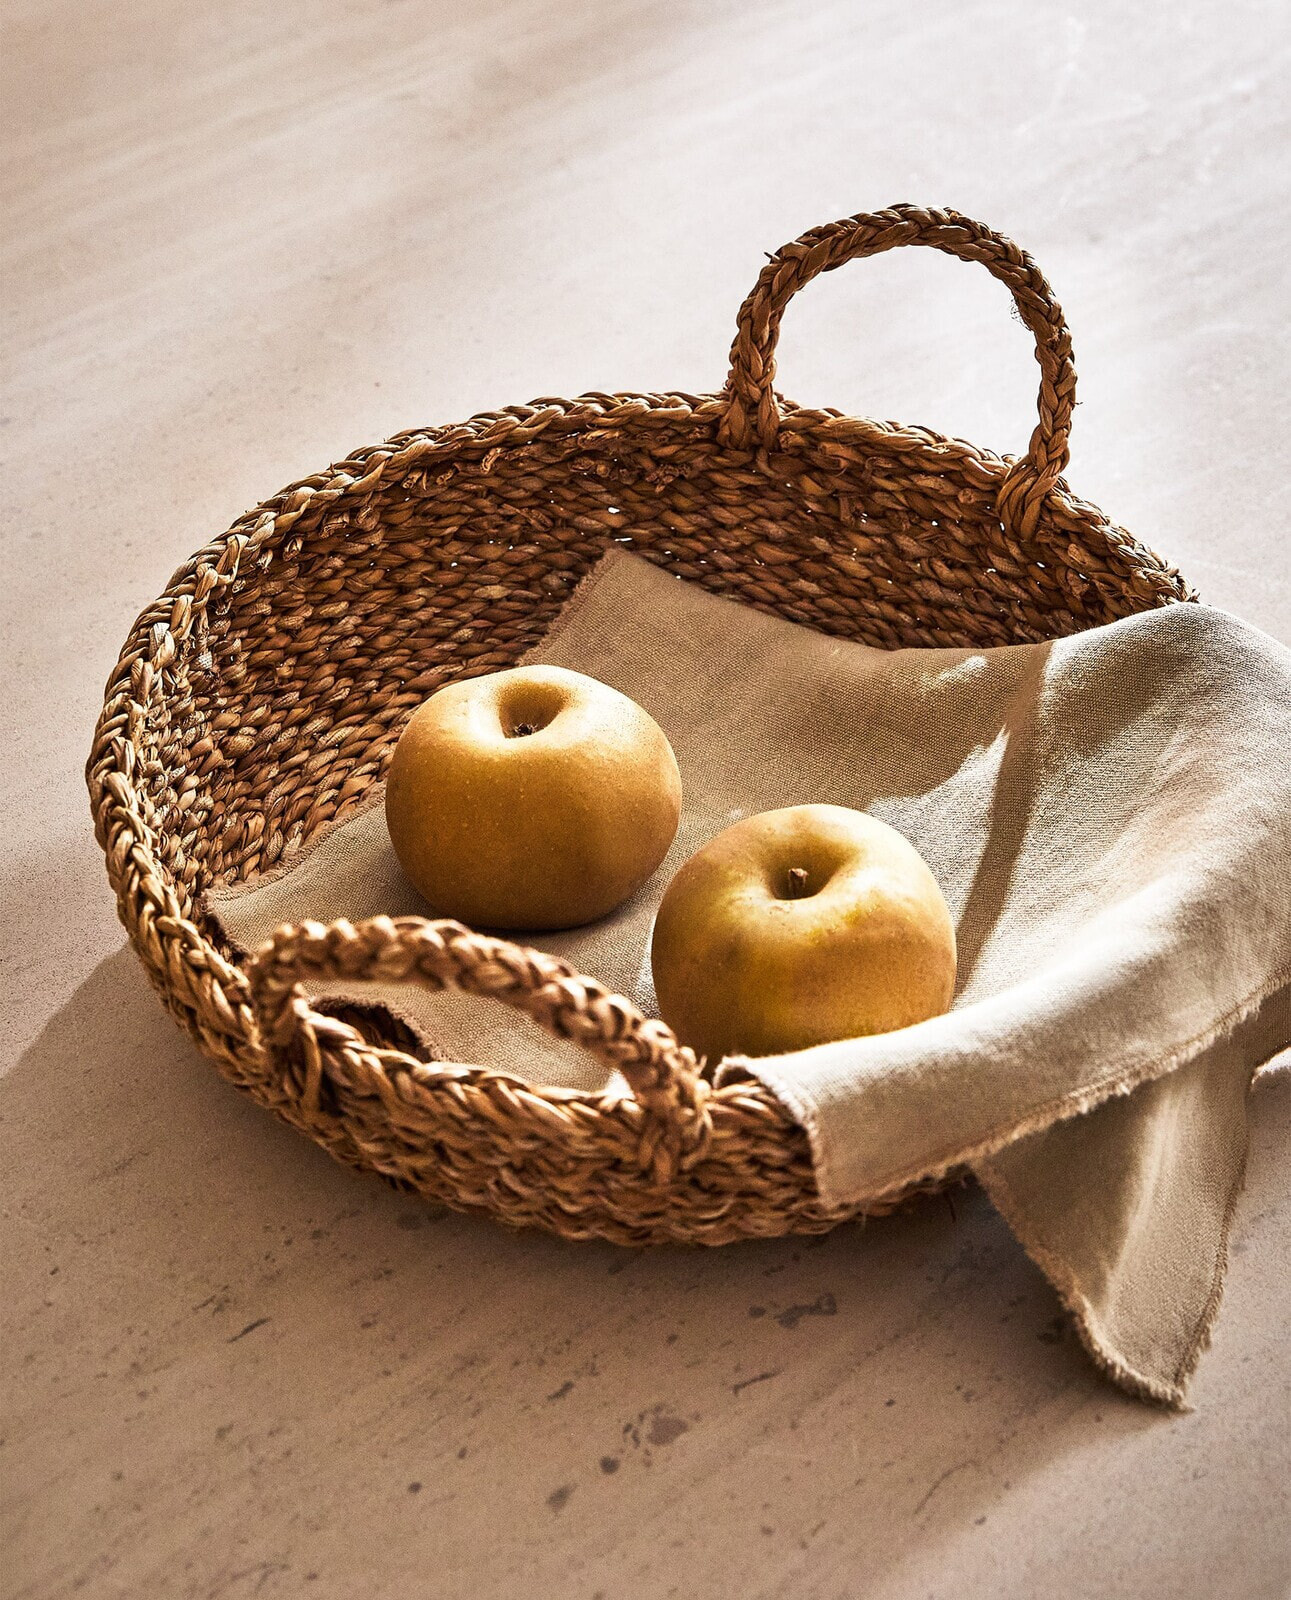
x=530 y=799
x=751 y=962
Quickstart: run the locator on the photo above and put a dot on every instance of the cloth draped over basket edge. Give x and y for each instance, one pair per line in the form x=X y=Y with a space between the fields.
x=1107 y=815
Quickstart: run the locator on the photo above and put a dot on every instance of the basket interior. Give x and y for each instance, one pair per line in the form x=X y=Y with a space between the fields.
x=291 y=684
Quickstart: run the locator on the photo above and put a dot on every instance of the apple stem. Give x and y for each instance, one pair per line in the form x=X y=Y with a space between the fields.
x=523 y=729
x=797 y=882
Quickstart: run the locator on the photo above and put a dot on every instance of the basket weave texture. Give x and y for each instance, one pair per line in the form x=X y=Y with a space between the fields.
x=261 y=696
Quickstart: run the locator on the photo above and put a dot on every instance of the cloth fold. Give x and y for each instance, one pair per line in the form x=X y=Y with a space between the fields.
x=1109 y=817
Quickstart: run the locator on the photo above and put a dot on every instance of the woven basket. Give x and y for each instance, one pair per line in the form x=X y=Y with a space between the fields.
x=261 y=696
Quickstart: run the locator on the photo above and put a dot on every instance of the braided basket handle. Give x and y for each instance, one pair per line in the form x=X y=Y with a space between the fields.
x=662 y=1073
x=752 y=418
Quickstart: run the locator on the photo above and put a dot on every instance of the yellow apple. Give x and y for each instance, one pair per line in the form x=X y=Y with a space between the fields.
x=799 y=926
x=533 y=798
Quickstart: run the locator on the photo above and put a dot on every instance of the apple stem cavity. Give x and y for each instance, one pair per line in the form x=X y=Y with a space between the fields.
x=797 y=883
x=523 y=730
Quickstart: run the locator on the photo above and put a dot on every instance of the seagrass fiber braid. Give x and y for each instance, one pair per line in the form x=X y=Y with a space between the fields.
x=753 y=418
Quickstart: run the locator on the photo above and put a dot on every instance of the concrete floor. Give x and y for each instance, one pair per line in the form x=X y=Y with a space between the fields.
x=240 y=240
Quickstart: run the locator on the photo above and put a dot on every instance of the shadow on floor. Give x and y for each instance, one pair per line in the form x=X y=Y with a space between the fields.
x=234 y=1354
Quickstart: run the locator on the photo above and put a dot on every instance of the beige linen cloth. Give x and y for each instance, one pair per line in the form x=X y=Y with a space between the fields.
x=1109 y=817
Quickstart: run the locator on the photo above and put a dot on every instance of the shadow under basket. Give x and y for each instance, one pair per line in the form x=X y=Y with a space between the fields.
x=262 y=694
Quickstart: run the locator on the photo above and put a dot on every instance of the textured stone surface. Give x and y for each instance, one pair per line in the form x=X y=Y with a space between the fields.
x=241 y=240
